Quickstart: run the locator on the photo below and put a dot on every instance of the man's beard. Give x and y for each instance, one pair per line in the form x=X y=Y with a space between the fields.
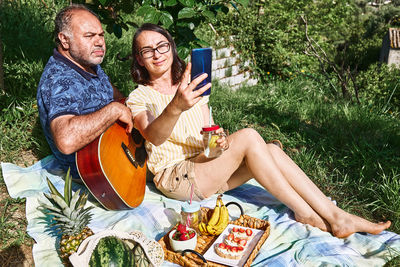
x=89 y=61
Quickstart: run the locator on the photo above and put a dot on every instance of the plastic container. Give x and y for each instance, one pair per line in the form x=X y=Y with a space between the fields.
x=191 y=215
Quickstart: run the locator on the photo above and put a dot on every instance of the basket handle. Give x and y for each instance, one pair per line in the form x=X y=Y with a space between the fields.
x=237 y=204
x=195 y=252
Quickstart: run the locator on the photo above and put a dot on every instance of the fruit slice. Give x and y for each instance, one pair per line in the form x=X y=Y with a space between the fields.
x=249 y=232
x=213 y=141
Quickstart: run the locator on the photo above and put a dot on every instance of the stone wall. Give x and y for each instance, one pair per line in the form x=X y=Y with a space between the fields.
x=228 y=70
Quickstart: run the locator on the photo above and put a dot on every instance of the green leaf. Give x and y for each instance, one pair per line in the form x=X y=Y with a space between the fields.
x=152 y=16
x=67 y=187
x=208 y=14
x=102 y=2
x=183 y=52
x=117 y=29
x=234 y=6
x=187 y=3
x=170 y=3
x=53 y=189
x=243 y=2
x=143 y=10
x=166 y=19
x=186 y=13
x=75 y=198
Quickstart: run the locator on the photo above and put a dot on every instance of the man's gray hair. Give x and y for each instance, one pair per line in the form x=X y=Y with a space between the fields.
x=63 y=19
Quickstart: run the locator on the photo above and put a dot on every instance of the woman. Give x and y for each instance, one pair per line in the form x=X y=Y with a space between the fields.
x=170 y=115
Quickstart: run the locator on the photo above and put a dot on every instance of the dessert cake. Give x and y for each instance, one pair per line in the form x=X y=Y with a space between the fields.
x=234 y=243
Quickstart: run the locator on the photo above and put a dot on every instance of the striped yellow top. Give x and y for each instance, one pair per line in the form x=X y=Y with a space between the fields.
x=185 y=141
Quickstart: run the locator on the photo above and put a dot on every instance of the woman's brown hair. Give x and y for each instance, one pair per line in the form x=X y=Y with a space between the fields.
x=139 y=73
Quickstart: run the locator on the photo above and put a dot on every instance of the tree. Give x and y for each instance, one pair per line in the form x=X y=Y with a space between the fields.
x=179 y=17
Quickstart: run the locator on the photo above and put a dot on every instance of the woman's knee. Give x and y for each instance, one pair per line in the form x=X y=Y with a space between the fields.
x=249 y=135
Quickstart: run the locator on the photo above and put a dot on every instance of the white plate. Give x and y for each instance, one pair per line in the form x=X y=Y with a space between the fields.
x=210 y=254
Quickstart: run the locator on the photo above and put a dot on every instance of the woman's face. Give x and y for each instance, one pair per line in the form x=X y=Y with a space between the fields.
x=156 y=63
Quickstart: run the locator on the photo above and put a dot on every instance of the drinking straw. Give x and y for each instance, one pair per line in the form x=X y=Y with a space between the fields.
x=191 y=194
x=191 y=197
x=210 y=116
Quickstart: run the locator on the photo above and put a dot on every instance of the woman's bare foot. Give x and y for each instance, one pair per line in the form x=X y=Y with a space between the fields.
x=315 y=221
x=349 y=224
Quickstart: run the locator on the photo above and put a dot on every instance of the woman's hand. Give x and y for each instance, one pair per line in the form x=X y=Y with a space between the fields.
x=222 y=141
x=185 y=96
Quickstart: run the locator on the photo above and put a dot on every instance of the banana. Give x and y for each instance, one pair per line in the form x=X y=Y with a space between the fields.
x=215 y=216
x=203 y=228
x=223 y=220
x=212 y=229
x=218 y=221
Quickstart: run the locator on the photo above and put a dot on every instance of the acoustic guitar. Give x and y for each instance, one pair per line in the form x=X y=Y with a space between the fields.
x=113 y=168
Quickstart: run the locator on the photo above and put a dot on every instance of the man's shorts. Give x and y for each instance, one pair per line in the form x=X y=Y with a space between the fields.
x=176 y=182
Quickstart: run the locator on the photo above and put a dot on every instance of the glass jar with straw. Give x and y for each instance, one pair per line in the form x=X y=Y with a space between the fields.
x=191 y=214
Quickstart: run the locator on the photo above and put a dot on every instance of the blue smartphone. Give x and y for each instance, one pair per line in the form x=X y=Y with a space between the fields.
x=201 y=59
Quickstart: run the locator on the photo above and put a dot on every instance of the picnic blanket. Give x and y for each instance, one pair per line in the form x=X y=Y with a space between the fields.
x=290 y=243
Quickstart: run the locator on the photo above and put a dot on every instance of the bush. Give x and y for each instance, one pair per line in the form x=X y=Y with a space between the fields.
x=379 y=85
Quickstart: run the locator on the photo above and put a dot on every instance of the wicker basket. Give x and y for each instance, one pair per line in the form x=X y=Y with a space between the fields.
x=204 y=242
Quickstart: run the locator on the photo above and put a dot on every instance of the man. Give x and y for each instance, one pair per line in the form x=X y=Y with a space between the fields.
x=75 y=97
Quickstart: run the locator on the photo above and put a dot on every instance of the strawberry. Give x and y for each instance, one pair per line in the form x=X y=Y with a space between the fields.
x=237 y=239
x=235 y=229
x=191 y=234
x=182 y=228
x=234 y=249
x=241 y=230
x=249 y=232
x=222 y=245
x=184 y=237
x=243 y=242
x=240 y=248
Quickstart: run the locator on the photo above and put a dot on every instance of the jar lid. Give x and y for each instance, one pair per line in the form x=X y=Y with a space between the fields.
x=187 y=207
x=210 y=128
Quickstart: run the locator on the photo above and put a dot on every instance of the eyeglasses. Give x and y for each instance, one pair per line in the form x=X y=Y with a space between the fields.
x=149 y=52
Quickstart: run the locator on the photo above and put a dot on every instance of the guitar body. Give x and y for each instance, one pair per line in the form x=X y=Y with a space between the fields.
x=110 y=171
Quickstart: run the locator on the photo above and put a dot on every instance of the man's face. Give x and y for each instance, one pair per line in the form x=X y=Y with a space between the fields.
x=86 y=39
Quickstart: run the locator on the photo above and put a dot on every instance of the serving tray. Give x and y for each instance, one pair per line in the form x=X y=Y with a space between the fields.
x=204 y=242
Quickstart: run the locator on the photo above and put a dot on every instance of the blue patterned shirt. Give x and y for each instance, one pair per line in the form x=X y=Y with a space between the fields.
x=65 y=88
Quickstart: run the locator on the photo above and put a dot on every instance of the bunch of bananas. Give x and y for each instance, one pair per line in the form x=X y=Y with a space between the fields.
x=218 y=221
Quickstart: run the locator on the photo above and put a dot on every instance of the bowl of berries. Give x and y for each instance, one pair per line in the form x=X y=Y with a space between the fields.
x=182 y=238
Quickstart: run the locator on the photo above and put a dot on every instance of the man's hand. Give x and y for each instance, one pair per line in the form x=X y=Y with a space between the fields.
x=125 y=116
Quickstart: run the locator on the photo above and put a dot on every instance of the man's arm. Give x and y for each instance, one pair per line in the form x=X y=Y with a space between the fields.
x=71 y=132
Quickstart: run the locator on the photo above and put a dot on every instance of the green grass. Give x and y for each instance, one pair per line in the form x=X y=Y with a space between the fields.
x=352 y=152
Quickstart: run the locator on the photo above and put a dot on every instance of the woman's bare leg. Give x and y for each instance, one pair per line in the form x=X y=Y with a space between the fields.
x=276 y=172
